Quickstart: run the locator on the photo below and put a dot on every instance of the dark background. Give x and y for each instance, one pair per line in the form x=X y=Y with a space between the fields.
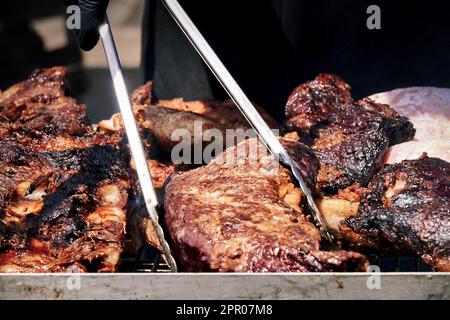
x=270 y=46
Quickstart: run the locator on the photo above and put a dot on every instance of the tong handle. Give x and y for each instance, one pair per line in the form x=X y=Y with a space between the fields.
x=267 y=137
x=134 y=138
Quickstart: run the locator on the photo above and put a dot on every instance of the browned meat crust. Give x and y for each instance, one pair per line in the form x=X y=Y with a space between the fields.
x=63 y=187
x=224 y=113
x=160 y=119
x=38 y=107
x=245 y=217
x=350 y=138
x=163 y=122
x=139 y=226
x=406 y=208
x=160 y=165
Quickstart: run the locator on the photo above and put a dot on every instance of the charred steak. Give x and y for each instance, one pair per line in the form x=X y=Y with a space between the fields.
x=406 y=208
x=63 y=187
x=349 y=137
x=246 y=217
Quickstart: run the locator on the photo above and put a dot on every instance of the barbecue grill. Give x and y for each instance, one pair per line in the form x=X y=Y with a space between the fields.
x=146 y=276
x=150 y=261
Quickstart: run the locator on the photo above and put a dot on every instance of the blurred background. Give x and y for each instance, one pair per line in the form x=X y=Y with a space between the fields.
x=34 y=35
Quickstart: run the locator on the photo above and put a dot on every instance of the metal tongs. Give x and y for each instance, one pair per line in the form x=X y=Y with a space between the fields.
x=134 y=139
x=243 y=103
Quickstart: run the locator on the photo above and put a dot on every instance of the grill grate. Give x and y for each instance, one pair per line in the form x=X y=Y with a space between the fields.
x=399 y=263
x=149 y=261
x=158 y=265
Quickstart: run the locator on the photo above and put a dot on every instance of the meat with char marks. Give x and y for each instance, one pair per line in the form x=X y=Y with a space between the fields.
x=406 y=209
x=63 y=187
x=242 y=213
x=349 y=137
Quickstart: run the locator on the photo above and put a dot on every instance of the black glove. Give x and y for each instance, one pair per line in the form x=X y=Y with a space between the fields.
x=92 y=15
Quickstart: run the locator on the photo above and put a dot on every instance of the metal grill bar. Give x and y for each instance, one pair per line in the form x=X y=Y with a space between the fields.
x=386 y=263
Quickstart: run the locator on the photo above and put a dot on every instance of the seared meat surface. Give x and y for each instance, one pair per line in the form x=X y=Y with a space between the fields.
x=163 y=123
x=139 y=226
x=406 y=208
x=37 y=110
x=160 y=165
x=246 y=217
x=349 y=137
x=224 y=113
x=159 y=120
x=63 y=187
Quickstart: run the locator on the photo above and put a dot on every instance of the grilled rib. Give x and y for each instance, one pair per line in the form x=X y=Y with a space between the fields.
x=64 y=188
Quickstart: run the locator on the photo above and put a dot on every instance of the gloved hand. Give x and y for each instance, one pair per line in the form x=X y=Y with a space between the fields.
x=92 y=15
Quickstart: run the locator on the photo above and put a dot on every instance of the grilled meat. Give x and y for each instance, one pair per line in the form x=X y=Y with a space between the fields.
x=159 y=120
x=161 y=167
x=68 y=206
x=63 y=187
x=349 y=137
x=224 y=113
x=246 y=217
x=164 y=123
x=139 y=226
x=335 y=208
x=38 y=110
x=406 y=208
